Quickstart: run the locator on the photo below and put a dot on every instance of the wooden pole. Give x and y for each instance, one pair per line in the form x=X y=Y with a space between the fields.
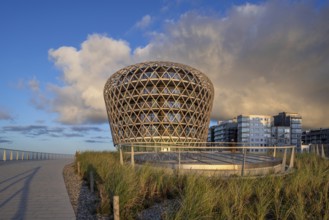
x=116 y=208
x=322 y=152
x=292 y=158
x=11 y=155
x=243 y=161
x=283 y=166
x=274 y=151
x=132 y=156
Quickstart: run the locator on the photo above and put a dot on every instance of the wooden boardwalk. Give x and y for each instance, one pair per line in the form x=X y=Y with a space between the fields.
x=34 y=190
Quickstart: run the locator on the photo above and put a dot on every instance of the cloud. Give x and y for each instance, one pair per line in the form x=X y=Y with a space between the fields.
x=84 y=74
x=144 y=22
x=34 y=84
x=34 y=130
x=102 y=137
x=262 y=59
x=5 y=141
x=5 y=115
x=85 y=128
x=56 y=132
x=95 y=141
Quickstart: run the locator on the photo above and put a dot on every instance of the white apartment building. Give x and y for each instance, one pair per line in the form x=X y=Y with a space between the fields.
x=254 y=130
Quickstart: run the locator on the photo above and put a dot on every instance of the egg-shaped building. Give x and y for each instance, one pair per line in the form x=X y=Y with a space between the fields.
x=158 y=102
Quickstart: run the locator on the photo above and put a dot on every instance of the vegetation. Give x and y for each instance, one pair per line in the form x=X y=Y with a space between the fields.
x=304 y=194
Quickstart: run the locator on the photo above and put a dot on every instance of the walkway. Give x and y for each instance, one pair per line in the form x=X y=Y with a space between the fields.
x=34 y=190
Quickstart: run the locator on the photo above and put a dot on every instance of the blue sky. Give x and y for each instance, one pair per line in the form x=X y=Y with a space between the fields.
x=263 y=57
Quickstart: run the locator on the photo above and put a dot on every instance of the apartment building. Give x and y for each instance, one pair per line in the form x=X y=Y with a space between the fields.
x=254 y=130
x=226 y=131
x=292 y=120
x=281 y=136
x=211 y=135
x=262 y=130
x=317 y=136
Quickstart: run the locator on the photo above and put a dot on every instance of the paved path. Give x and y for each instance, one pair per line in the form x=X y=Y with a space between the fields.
x=34 y=190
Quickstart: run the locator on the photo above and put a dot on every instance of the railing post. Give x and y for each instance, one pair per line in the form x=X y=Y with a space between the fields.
x=244 y=151
x=22 y=158
x=292 y=158
x=322 y=152
x=11 y=155
x=317 y=150
x=4 y=158
x=121 y=156
x=116 y=208
x=283 y=166
x=132 y=155
x=16 y=155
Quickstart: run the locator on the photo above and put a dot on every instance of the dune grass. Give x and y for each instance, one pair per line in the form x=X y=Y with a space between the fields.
x=303 y=194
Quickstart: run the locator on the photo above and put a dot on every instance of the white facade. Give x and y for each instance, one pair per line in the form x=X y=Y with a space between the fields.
x=254 y=130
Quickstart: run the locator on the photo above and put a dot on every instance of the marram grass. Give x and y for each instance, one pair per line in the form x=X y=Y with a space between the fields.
x=304 y=194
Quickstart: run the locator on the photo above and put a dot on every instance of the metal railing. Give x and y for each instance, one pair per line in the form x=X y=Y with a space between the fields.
x=179 y=151
x=12 y=154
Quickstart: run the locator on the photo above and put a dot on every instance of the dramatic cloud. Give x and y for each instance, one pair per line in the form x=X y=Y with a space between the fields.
x=262 y=59
x=145 y=22
x=5 y=115
x=84 y=74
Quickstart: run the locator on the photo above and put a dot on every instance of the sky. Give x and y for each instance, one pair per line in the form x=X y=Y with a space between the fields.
x=263 y=57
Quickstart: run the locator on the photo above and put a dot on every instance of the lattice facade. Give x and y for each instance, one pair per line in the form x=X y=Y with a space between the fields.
x=158 y=102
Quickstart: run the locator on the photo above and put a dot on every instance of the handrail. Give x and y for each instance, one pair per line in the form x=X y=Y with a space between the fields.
x=202 y=145
x=208 y=147
x=133 y=148
x=14 y=154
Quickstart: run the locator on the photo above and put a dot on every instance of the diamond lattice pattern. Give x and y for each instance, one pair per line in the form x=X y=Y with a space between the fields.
x=158 y=102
